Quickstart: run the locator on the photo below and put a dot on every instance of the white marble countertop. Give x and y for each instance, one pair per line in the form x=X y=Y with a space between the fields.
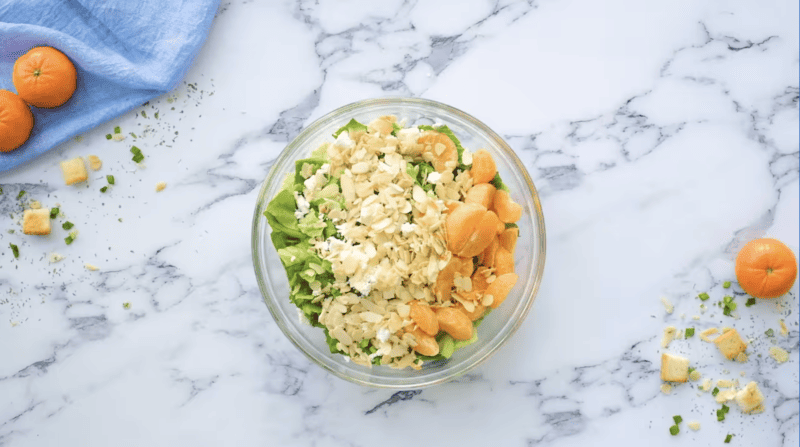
x=661 y=135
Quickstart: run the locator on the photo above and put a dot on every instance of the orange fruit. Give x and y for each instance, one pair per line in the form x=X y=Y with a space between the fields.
x=483 y=167
x=44 y=77
x=448 y=151
x=16 y=121
x=766 y=268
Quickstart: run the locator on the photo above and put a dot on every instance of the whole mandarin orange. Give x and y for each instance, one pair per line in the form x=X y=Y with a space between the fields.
x=16 y=121
x=766 y=268
x=44 y=77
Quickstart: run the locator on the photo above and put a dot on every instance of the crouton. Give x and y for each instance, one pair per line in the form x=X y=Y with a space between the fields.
x=36 y=221
x=674 y=368
x=74 y=171
x=730 y=344
x=749 y=398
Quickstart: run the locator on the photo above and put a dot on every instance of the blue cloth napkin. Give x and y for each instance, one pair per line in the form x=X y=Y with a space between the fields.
x=126 y=53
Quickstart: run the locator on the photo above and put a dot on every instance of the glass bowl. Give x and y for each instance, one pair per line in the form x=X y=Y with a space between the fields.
x=496 y=328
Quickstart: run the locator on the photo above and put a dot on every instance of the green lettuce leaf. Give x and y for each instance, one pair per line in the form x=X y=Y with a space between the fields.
x=352 y=126
x=311 y=225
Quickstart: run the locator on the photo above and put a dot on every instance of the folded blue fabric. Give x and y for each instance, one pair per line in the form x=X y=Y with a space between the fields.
x=126 y=52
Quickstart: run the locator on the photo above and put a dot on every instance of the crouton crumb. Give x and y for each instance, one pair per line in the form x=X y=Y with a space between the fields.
x=694 y=425
x=55 y=257
x=666 y=388
x=95 y=163
x=779 y=354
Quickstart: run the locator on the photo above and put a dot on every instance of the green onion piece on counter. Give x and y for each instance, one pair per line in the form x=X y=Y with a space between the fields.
x=117 y=130
x=677 y=419
x=750 y=302
x=67 y=225
x=703 y=296
x=689 y=332
x=108 y=136
x=54 y=212
x=715 y=391
x=110 y=179
x=126 y=305
x=104 y=189
x=674 y=430
x=21 y=193
x=14 y=250
x=726 y=285
x=769 y=333
x=728 y=439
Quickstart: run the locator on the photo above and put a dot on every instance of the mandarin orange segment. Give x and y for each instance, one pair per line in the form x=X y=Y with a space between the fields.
x=482 y=236
x=423 y=315
x=455 y=323
x=482 y=193
x=479 y=279
x=508 y=239
x=44 y=77
x=478 y=312
x=487 y=256
x=16 y=121
x=506 y=209
x=483 y=167
x=461 y=223
x=766 y=268
x=426 y=344
x=503 y=262
x=500 y=288
x=442 y=148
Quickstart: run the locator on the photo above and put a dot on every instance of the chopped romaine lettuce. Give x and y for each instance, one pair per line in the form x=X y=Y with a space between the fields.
x=352 y=126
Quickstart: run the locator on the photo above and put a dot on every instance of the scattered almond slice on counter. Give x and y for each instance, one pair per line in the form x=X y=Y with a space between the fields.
x=706 y=385
x=666 y=388
x=55 y=257
x=667 y=305
x=706 y=333
x=160 y=186
x=91 y=267
x=694 y=425
x=784 y=329
x=670 y=333
x=695 y=375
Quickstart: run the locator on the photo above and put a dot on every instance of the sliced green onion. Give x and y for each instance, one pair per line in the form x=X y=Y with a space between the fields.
x=54 y=212
x=156 y=115
x=21 y=193
x=67 y=225
x=726 y=285
x=674 y=430
x=715 y=391
x=691 y=370
x=14 y=250
x=108 y=136
x=126 y=305
x=750 y=302
x=728 y=439
x=770 y=332
x=677 y=419
x=110 y=179
x=68 y=240
x=689 y=332
x=117 y=130
x=104 y=189
x=144 y=114
x=703 y=296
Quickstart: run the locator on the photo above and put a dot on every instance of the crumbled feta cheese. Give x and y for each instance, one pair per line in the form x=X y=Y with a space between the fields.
x=302 y=206
x=408 y=228
x=302 y=318
x=434 y=177
x=383 y=335
x=343 y=140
